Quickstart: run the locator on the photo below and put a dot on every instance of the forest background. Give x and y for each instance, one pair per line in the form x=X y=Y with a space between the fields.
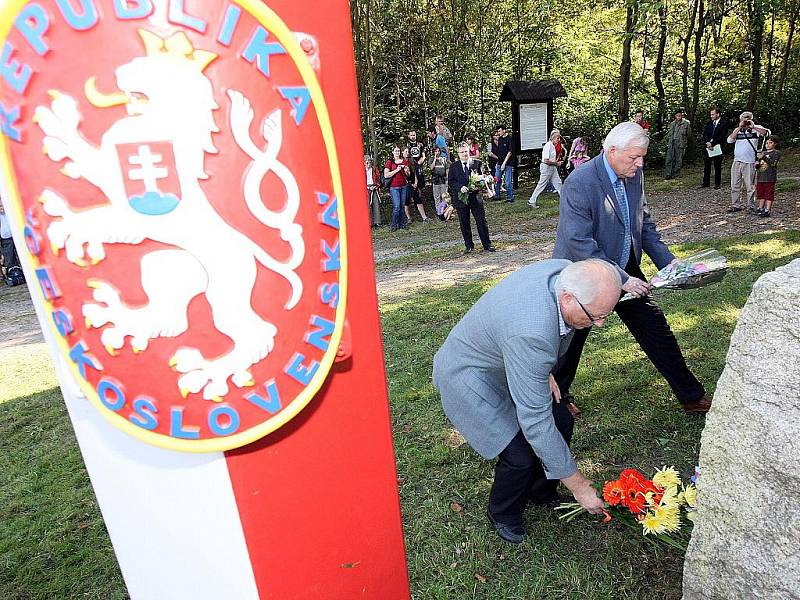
x=419 y=58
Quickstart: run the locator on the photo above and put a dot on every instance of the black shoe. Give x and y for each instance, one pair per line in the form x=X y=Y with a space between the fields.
x=752 y=211
x=509 y=201
x=734 y=209
x=705 y=185
x=513 y=534
x=490 y=249
x=716 y=187
x=469 y=250
x=763 y=213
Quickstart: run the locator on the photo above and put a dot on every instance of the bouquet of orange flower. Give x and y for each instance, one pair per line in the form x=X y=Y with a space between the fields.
x=656 y=506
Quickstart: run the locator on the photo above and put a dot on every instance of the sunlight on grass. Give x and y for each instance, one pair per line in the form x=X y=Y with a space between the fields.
x=26 y=370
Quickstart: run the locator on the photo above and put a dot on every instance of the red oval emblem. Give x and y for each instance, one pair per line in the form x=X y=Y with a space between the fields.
x=175 y=179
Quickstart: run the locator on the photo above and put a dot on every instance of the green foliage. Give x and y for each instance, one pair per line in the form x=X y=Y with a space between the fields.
x=454 y=56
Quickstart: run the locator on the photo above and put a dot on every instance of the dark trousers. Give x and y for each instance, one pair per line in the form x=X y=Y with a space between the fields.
x=717 y=160
x=645 y=320
x=476 y=207
x=519 y=477
x=9 y=253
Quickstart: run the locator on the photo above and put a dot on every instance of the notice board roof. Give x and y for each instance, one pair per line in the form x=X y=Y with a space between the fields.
x=532 y=91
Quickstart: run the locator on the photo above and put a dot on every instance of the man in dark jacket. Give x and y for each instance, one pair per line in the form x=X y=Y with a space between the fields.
x=713 y=137
x=458 y=186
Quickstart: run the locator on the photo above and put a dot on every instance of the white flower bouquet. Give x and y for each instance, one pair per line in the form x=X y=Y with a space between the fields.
x=697 y=270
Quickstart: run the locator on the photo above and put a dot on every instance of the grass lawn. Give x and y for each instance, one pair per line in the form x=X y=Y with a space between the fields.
x=53 y=544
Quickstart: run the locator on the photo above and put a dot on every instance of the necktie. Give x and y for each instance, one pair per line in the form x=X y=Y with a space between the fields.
x=466 y=170
x=619 y=192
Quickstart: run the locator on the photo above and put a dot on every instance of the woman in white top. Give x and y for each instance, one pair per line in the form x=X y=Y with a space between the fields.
x=548 y=168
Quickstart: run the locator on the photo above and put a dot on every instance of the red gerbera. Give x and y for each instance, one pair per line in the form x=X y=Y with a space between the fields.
x=635 y=500
x=613 y=492
x=632 y=474
x=634 y=486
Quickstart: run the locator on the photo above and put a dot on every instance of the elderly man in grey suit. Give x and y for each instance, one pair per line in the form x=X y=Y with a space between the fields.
x=494 y=374
x=604 y=214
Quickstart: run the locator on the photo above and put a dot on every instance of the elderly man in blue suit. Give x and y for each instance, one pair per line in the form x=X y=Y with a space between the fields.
x=494 y=374
x=604 y=214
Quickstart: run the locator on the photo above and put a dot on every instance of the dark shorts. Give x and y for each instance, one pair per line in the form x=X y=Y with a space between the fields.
x=765 y=190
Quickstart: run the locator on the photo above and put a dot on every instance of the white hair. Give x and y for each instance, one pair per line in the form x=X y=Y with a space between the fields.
x=626 y=134
x=584 y=278
x=746 y=115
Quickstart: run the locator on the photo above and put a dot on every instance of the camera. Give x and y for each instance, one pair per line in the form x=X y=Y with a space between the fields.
x=747 y=124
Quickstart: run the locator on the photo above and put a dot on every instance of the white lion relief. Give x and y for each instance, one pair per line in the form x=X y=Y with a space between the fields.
x=149 y=166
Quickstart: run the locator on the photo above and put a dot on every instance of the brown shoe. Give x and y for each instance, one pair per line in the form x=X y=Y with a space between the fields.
x=573 y=408
x=698 y=406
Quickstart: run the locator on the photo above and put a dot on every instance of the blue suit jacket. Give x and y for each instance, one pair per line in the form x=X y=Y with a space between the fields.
x=492 y=371
x=590 y=222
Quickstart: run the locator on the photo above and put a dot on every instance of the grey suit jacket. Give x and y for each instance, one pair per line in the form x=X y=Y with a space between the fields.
x=492 y=371
x=590 y=222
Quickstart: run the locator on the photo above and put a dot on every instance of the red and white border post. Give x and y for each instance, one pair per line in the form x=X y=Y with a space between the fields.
x=184 y=184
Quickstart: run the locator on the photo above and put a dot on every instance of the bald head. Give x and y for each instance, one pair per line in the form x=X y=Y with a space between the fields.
x=587 y=292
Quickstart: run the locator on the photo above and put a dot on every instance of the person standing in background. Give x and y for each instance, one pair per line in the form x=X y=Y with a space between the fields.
x=677 y=140
x=743 y=169
x=373 y=191
x=713 y=137
x=505 y=164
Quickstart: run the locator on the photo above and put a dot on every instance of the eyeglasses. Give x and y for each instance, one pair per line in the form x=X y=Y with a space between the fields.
x=593 y=319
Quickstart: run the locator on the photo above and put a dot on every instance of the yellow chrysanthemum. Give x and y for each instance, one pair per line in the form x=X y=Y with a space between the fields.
x=670 y=517
x=666 y=477
x=670 y=497
x=652 y=524
x=690 y=495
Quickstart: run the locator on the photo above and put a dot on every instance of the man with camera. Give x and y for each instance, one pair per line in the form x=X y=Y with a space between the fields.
x=743 y=170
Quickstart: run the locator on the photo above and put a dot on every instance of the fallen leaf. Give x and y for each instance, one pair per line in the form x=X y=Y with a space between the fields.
x=456 y=507
x=454 y=439
x=350 y=565
x=480 y=577
x=453 y=565
x=407 y=428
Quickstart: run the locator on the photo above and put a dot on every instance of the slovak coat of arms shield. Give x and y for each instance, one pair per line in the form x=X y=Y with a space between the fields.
x=175 y=179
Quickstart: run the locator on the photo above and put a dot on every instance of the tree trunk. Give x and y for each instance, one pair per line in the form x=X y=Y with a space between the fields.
x=661 y=96
x=787 y=52
x=770 y=48
x=370 y=81
x=623 y=107
x=756 y=39
x=698 y=59
x=685 y=56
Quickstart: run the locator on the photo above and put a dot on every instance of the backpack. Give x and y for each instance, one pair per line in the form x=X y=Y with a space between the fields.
x=14 y=276
x=386 y=182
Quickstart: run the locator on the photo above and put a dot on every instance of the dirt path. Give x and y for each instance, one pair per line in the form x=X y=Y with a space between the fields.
x=682 y=216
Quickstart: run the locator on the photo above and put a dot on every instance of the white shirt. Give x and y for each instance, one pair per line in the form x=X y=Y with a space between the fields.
x=5 y=228
x=549 y=153
x=745 y=142
x=369 y=176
